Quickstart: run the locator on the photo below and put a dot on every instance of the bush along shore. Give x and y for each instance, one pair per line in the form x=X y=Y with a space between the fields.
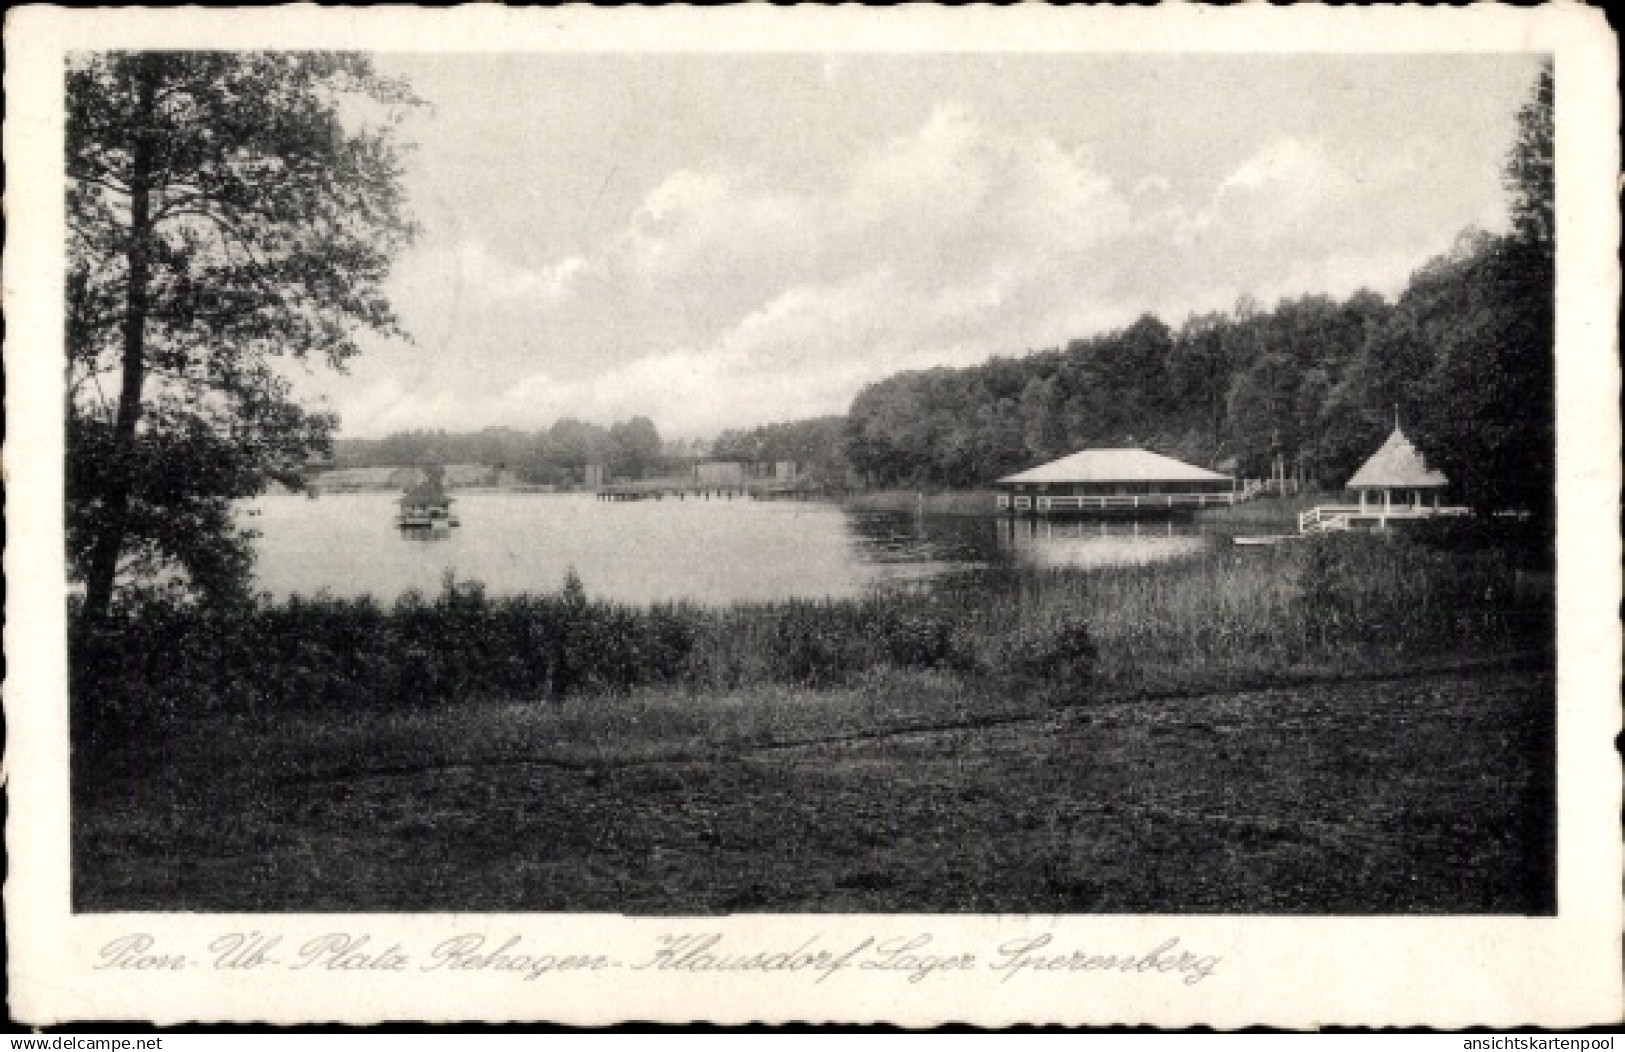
x=1346 y=605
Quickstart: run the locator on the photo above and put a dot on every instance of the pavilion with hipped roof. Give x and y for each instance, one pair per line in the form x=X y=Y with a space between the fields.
x=1114 y=481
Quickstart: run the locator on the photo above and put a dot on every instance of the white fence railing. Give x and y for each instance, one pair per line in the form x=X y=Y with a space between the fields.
x=1116 y=502
x=1347 y=516
x=1326 y=517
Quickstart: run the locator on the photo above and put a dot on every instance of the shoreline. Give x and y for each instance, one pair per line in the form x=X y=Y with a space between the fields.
x=967 y=503
x=680 y=759
x=1345 y=605
x=1260 y=512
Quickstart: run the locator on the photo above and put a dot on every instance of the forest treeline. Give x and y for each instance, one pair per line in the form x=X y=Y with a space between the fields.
x=557 y=455
x=627 y=449
x=1463 y=358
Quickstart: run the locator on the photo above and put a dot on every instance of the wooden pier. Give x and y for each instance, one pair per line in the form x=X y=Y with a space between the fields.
x=684 y=490
x=1331 y=518
x=1128 y=504
x=627 y=492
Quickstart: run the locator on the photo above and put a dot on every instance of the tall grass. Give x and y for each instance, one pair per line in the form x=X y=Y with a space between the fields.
x=1068 y=635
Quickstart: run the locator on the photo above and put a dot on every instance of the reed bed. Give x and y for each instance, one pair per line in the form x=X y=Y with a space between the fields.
x=1058 y=636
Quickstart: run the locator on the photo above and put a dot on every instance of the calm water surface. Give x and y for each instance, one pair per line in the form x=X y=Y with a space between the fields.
x=714 y=551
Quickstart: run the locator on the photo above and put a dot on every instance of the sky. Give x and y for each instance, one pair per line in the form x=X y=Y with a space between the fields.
x=719 y=241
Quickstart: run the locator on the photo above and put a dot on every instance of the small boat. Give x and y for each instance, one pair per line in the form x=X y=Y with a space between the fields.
x=426 y=506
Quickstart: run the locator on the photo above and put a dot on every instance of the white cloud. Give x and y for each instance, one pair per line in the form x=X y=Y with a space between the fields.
x=470 y=270
x=726 y=299
x=390 y=406
x=1283 y=162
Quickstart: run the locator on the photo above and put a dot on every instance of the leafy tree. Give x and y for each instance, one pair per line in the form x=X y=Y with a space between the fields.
x=1484 y=410
x=1485 y=405
x=817 y=445
x=1198 y=370
x=573 y=444
x=1040 y=412
x=634 y=447
x=225 y=211
x=1530 y=175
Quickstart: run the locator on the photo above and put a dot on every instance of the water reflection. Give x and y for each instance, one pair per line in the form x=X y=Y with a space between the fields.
x=1091 y=545
x=648 y=551
x=424 y=536
x=897 y=537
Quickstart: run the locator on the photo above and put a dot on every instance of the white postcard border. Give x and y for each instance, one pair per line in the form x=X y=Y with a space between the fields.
x=1287 y=971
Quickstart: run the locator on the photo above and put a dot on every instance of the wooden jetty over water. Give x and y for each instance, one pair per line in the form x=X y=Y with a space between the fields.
x=683 y=489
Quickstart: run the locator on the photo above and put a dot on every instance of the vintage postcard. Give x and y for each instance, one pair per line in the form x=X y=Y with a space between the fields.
x=924 y=515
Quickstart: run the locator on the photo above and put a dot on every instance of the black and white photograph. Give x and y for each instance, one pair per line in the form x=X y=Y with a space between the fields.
x=715 y=487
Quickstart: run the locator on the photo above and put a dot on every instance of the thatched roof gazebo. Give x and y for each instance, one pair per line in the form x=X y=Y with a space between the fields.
x=1400 y=473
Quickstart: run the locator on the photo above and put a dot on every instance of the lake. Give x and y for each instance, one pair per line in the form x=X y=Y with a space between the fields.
x=715 y=551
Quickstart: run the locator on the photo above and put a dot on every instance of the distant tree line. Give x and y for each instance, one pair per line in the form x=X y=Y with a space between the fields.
x=1464 y=357
x=556 y=455
x=817 y=446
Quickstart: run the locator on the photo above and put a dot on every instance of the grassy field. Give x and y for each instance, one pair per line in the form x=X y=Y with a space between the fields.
x=1424 y=794
x=1328 y=726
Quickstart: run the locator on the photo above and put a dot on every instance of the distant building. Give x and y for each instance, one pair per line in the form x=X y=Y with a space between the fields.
x=593 y=476
x=719 y=474
x=1113 y=480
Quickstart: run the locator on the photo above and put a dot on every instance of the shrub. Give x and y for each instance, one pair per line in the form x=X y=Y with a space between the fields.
x=1060 y=654
x=162 y=657
x=808 y=647
x=922 y=641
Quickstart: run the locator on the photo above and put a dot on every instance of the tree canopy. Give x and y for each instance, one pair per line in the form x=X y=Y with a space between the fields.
x=1465 y=357
x=228 y=213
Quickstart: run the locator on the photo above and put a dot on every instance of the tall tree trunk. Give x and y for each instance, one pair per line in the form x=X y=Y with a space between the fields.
x=109 y=542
